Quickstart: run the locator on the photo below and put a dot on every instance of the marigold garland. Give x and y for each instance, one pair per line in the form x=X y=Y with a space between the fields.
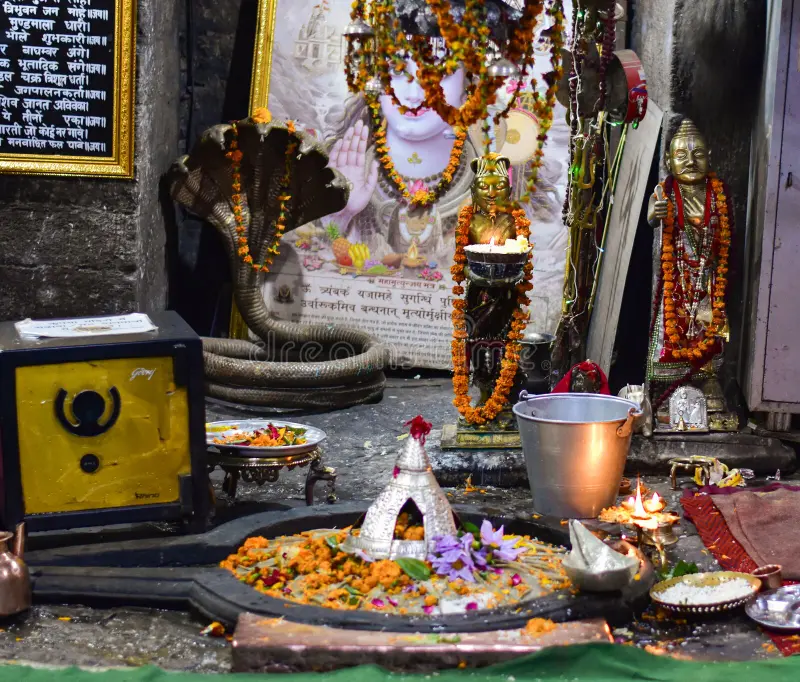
x=696 y=351
x=260 y=115
x=422 y=197
x=511 y=354
x=544 y=105
x=465 y=42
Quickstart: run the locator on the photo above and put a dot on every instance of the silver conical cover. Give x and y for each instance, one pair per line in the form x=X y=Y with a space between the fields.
x=412 y=480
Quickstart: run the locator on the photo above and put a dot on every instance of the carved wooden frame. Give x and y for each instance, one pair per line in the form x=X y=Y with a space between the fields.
x=120 y=163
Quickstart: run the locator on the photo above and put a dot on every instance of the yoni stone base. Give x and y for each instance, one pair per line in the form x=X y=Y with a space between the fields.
x=275 y=645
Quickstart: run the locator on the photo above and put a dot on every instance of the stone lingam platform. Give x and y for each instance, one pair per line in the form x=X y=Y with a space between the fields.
x=183 y=572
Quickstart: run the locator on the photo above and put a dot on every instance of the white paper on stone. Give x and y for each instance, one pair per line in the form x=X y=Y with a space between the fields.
x=592 y=555
x=135 y=323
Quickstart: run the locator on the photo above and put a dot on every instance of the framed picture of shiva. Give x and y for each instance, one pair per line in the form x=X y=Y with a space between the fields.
x=383 y=264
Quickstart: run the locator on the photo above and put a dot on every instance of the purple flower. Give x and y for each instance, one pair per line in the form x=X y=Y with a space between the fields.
x=472 y=606
x=391 y=601
x=453 y=557
x=395 y=472
x=428 y=610
x=515 y=579
x=378 y=603
x=481 y=559
x=493 y=540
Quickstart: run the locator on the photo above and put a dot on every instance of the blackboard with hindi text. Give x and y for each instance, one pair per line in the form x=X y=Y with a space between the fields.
x=67 y=70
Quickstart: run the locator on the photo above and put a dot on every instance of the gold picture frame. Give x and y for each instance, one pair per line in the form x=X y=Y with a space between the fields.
x=259 y=97
x=120 y=163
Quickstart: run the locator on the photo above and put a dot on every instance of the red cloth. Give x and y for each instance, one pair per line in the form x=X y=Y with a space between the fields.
x=700 y=509
x=592 y=369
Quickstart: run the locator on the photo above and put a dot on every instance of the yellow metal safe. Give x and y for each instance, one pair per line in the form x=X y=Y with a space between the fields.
x=103 y=430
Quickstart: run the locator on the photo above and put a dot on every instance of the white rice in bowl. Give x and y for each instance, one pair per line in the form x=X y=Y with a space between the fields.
x=686 y=593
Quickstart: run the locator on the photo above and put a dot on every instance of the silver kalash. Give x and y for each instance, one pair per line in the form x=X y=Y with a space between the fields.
x=412 y=481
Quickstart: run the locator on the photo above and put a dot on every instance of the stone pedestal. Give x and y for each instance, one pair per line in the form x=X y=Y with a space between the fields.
x=84 y=246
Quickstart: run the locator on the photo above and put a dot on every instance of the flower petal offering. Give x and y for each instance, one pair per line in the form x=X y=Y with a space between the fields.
x=259 y=437
x=474 y=570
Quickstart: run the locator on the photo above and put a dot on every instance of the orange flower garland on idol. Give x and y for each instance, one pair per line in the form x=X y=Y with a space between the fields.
x=260 y=115
x=421 y=197
x=695 y=351
x=511 y=354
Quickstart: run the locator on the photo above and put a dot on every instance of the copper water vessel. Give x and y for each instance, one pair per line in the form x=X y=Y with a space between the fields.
x=15 y=581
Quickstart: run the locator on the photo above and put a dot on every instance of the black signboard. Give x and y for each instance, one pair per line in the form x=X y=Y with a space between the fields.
x=66 y=86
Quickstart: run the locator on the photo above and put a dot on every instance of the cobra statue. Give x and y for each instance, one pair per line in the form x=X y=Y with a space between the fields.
x=253 y=373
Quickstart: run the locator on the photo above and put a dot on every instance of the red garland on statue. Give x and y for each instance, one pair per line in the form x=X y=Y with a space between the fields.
x=593 y=373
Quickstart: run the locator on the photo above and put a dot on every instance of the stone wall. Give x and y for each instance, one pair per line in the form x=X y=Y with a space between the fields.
x=80 y=246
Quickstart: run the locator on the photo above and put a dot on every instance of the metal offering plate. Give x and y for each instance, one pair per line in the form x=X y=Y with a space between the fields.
x=214 y=430
x=777 y=610
x=700 y=581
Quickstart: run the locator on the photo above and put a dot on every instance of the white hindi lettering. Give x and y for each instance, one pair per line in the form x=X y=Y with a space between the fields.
x=17 y=36
x=81 y=52
x=32 y=116
x=28 y=24
x=79 y=93
x=86 y=67
x=85 y=121
x=19 y=10
x=70 y=105
x=43 y=82
x=40 y=64
x=39 y=51
x=79 y=26
x=38 y=104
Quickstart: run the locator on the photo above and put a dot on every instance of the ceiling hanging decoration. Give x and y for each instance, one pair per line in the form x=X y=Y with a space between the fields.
x=492 y=40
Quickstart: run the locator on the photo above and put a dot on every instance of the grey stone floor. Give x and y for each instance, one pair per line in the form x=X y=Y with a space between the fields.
x=362 y=445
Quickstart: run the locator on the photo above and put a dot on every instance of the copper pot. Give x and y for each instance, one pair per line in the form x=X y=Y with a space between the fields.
x=15 y=581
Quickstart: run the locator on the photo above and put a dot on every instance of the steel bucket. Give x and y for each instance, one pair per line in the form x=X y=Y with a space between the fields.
x=575 y=447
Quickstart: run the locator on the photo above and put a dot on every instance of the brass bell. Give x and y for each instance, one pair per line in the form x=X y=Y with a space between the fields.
x=503 y=68
x=358 y=29
x=373 y=86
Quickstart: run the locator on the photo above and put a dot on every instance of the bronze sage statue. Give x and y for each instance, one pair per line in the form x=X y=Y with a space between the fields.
x=692 y=212
x=253 y=180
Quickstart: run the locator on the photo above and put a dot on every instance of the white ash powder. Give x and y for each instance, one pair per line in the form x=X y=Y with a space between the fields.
x=684 y=593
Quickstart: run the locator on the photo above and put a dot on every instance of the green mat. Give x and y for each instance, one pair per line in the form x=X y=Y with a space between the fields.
x=597 y=662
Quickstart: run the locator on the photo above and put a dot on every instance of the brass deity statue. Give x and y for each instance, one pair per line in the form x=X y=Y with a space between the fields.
x=491 y=295
x=491 y=197
x=692 y=212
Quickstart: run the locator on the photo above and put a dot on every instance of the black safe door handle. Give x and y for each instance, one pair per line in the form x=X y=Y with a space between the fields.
x=87 y=409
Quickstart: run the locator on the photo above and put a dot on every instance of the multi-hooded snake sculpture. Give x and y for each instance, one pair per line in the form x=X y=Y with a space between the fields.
x=252 y=373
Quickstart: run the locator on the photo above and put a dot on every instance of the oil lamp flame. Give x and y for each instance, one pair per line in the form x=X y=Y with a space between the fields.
x=639 y=512
x=413 y=251
x=491 y=242
x=654 y=505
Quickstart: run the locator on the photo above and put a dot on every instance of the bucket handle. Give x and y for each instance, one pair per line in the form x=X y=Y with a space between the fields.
x=626 y=429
